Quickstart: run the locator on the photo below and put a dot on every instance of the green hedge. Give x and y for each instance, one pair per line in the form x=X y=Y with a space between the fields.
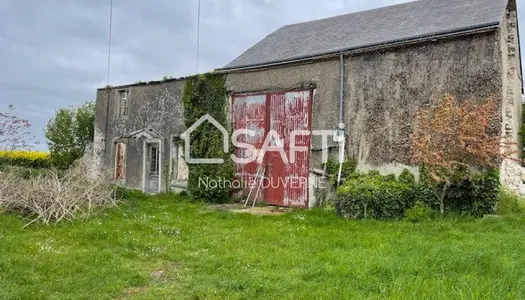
x=385 y=197
x=471 y=194
x=374 y=196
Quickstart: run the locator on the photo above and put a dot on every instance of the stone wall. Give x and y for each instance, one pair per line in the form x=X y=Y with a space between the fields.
x=511 y=170
x=157 y=105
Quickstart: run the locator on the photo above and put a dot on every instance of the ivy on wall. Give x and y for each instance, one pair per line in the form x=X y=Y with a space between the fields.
x=206 y=94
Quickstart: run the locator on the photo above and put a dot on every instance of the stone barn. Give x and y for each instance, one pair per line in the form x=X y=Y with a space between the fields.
x=367 y=72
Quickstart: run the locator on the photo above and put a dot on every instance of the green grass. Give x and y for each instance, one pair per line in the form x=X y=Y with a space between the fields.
x=218 y=255
x=510 y=203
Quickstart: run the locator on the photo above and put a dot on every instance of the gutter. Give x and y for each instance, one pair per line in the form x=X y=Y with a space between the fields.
x=392 y=44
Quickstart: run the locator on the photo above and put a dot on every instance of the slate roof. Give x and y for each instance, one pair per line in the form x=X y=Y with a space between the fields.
x=383 y=26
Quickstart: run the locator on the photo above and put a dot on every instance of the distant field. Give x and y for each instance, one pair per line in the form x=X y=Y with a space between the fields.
x=27 y=159
x=25 y=154
x=166 y=248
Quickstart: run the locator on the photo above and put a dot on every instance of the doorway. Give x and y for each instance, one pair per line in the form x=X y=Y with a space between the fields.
x=152 y=166
x=179 y=172
x=286 y=184
x=120 y=163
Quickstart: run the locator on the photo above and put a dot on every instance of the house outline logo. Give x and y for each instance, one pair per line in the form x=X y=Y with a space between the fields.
x=186 y=137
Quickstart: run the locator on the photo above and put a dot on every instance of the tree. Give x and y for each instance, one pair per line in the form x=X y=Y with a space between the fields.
x=14 y=133
x=450 y=137
x=69 y=132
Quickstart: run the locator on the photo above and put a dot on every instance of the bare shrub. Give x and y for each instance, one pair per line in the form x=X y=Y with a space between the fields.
x=14 y=131
x=7 y=189
x=54 y=197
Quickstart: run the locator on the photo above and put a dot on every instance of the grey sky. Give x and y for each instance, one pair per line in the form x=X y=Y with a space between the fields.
x=54 y=52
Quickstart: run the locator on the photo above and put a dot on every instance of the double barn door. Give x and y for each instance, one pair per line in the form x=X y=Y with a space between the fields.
x=285 y=182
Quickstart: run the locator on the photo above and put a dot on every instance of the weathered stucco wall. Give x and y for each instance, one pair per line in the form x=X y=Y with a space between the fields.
x=384 y=90
x=156 y=105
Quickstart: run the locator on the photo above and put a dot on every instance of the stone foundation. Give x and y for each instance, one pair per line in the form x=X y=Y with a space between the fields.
x=512 y=176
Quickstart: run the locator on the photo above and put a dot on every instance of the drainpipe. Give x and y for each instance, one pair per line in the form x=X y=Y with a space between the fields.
x=341 y=87
x=339 y=137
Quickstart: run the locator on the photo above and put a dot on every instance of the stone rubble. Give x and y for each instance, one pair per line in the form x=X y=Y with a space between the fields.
x=513 y=176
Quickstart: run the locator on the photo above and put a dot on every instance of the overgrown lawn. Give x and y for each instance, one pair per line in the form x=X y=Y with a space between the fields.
x=167 y=248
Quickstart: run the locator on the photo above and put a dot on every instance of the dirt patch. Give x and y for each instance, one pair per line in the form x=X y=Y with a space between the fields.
x=130 y=292
x=259 y=211
x=158 y=276
x=162 y=274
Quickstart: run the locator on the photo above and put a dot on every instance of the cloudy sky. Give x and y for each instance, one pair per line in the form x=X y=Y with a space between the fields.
x=53 y=53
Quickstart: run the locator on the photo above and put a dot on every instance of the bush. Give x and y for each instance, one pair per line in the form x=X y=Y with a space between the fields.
x=374 y=196
x=27 y=159
x=470 y=194
x=476 y=196
x=384 y=197
x=418 y=213
x=53 y=198
x=407 y=177
x=375 y=173
x=349 y=167
x=510 y=203
x=23 y=172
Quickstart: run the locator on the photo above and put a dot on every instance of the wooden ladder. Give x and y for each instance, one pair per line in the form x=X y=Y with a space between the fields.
x=259 y=175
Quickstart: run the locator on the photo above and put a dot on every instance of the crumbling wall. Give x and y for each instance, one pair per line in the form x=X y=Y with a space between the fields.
x=157 y=105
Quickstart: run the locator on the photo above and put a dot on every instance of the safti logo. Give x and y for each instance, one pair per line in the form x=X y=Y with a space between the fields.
x=272 y=143
x=186 y=137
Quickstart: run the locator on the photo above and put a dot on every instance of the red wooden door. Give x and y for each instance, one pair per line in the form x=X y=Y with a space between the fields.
x=120 y=161
x=249 y=112
x=288 y=181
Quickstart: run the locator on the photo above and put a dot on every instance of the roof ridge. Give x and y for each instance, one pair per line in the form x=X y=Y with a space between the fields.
x=357 y=12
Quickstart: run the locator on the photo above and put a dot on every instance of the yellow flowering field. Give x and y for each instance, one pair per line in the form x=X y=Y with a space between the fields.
x=29 y=159
x=31 y=155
